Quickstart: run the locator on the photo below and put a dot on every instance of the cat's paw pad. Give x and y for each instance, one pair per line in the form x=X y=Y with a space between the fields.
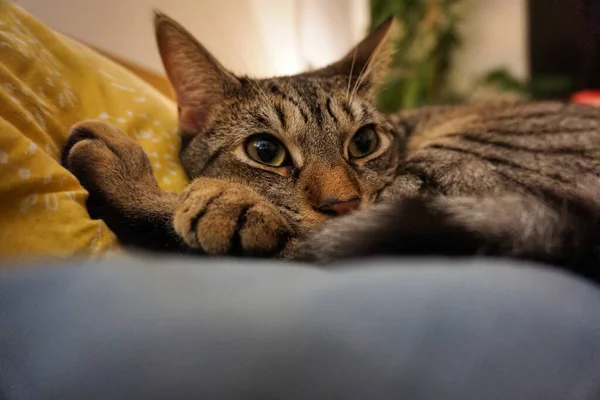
x=103 y=158
x=222 y=218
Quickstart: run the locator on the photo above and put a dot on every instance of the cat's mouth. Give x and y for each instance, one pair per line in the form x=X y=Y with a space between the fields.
x=328 y=213
x=338 y=208
x=311 y=216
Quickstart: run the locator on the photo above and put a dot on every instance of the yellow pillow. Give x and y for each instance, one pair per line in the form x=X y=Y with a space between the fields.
x=49 y=82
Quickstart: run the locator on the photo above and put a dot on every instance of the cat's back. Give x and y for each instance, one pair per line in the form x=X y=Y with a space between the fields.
x=494 y=147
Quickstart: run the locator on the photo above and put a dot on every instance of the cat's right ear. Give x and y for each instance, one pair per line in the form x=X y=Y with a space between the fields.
x=366 y=65
x=199 y=81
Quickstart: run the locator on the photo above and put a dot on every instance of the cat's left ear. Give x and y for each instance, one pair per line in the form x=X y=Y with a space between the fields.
x=368 y=63
x=199 y=81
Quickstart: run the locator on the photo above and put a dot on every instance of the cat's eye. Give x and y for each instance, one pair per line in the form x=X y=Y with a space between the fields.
x=364 y=142
x=267 y=149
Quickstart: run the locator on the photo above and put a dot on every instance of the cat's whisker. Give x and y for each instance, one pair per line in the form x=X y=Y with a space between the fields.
x=354 y=89
x=351 y=71
x=374 y=96
x=259 y=90
x=366 y=67
x=370 y=68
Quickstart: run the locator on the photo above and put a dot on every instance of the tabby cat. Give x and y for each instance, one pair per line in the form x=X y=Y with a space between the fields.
x=305 y=167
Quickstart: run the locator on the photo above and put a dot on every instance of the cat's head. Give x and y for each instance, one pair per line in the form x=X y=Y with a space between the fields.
x=313 y=144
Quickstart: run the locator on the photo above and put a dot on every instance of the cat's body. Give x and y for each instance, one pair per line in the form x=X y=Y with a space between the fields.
x=275 y=160
x=519 y=180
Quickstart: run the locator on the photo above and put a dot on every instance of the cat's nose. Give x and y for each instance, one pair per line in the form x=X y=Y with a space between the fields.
x=339 y=207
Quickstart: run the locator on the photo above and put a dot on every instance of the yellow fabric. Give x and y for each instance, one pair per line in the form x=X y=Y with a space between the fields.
x=48 y=83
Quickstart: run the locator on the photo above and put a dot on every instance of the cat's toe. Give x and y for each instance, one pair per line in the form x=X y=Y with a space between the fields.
x=193 y=207
x=262 y=231
x=226 y=219
x=86 y=157
x=76 y=136
x=83 y=133
x=101 y=155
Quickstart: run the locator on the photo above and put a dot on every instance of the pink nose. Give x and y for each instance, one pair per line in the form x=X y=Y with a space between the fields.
x=339 y=207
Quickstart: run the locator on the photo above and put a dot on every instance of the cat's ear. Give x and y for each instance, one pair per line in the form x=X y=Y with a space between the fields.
x=199 y=81
x=367 y=64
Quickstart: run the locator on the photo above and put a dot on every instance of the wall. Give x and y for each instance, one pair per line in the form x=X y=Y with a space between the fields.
x=124 y=28
x=272 y=37
x=256 y=37
x=494 y=35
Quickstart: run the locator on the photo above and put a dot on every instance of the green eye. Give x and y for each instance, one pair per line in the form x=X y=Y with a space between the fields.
x=364 y=142
x=267 y=149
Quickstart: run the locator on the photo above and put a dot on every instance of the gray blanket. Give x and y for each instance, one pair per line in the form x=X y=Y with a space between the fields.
x=173 y=328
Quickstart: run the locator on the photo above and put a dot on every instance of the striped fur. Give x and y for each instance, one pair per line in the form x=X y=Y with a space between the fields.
x=314 y=119
x=519 y=180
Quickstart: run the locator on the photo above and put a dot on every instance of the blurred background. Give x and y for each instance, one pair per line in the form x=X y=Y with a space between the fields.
x=449 y=50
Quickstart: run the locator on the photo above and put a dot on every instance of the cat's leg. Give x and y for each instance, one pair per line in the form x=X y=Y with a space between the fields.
x=122 y=189
x=411 y=226
x=212 y=216
x=520 y=226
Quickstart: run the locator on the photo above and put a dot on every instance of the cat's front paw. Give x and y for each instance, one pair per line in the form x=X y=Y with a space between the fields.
x=107 y=162
x=222 y=217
